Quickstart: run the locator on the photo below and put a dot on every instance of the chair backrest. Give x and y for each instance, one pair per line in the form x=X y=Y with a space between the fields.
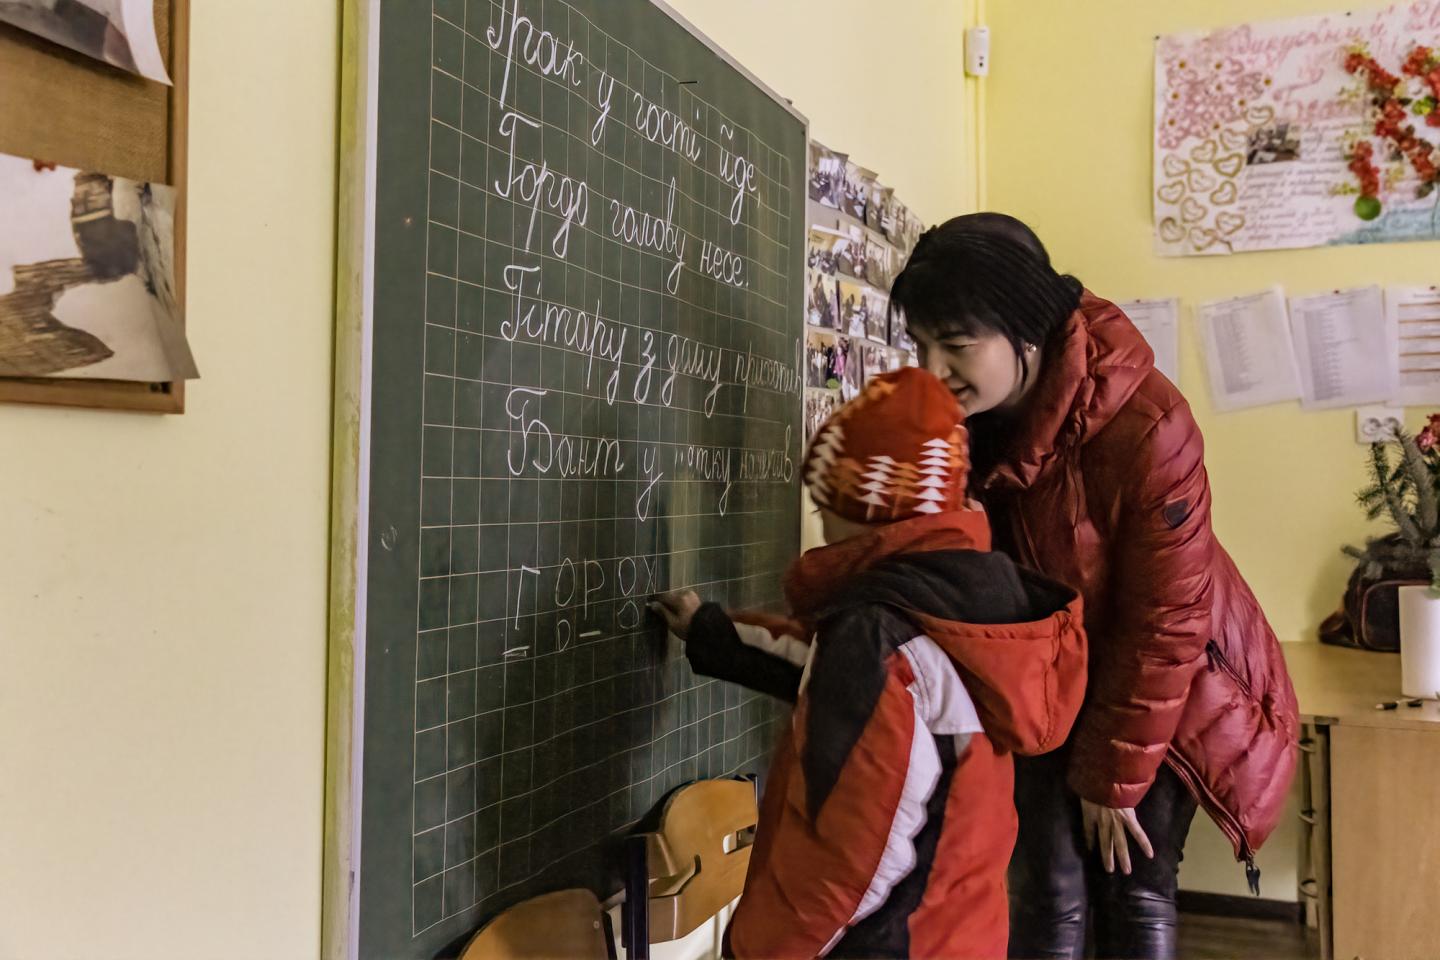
x=697 y=859
x=566 y=923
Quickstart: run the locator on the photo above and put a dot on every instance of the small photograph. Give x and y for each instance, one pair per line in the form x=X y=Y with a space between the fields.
x=854 y=309
x=87 y=276
x=822 y=305
x=875 y=209
x=848 y=367
x=820 y=406
x=854 y=193
x=827 y=175
x=877 y=305
x=1277 y=144
x=850 y=253
x=118 y=32
x=892 y=221
x=820 y=250
x=876 y=359
x=878 y=271
x=818 y=353
x=900 y=338
x=914 y=226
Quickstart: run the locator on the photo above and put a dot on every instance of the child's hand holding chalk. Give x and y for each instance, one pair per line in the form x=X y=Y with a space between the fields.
x=678 y=608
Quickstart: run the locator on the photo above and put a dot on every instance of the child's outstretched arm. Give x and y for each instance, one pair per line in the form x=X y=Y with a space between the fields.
x=758 y=651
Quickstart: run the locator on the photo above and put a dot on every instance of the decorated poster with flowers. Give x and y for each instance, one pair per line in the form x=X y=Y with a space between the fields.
x=1299 y=133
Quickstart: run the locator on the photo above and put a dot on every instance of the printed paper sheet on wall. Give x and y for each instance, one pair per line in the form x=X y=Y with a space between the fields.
x=1299 y=133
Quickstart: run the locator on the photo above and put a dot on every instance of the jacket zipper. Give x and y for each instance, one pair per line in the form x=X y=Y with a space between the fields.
x=1217 y=657
x=1221 y=816
x=1228 y=824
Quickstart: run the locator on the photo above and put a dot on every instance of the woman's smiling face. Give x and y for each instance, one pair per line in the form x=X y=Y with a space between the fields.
x=982 y=370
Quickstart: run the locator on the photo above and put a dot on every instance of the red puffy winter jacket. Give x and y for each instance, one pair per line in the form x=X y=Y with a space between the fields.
x=1103 y=487
x=888 y=816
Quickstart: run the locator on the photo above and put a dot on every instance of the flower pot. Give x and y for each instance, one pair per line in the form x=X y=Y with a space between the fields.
x=1419 y=642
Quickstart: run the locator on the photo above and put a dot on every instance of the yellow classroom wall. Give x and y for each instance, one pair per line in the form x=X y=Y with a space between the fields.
x=163 y=583
x=881 y=81
x=1066 y=147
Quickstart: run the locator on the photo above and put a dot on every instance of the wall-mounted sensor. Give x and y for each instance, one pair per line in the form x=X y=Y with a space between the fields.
x=977 y=51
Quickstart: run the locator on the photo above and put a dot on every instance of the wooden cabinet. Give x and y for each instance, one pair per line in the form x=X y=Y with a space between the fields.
x=1370 y=782
x=1385 y=843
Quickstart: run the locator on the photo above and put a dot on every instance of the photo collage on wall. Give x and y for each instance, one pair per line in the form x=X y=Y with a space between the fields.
x=860 y=237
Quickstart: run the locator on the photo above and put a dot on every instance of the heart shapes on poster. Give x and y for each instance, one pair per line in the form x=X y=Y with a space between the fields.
x=1200 y=181
x=1259 y=116
x=1229 y=222
x=1174 y=166
x=1171 y=231
x=1231 y=165
x=1172 y=192
x=1205 y=153
x=1203 y=238
x=1191 y=211
x=1226 y=195
x=1235 y=139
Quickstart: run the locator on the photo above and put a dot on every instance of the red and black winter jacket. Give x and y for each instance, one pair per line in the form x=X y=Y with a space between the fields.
x=919 y=662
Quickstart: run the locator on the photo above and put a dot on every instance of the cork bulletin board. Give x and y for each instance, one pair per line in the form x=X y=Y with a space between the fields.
x=65 y=108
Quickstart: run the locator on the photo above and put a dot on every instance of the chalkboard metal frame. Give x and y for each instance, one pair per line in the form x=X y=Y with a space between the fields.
x=350 y=528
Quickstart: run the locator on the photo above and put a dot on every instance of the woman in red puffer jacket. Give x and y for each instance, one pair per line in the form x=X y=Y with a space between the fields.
x=1092 y=468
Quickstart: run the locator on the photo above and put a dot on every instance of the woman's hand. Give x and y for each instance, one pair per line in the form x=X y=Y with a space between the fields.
x=1108 y=826
x=678 y=608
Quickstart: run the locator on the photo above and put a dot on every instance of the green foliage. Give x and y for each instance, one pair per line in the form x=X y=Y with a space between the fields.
x=1403 y=490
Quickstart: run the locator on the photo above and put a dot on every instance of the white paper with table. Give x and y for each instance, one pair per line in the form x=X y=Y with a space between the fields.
x=1345 y=347
x=1414 y=312
x=1248 y=352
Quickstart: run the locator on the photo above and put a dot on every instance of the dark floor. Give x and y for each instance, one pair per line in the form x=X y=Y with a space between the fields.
x=1223 y=938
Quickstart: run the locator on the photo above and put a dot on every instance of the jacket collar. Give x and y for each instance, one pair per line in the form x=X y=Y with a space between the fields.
x=819 y=574
x=1092 y=369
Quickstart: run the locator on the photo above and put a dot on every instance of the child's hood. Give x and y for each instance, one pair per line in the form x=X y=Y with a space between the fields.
x=1016 y=638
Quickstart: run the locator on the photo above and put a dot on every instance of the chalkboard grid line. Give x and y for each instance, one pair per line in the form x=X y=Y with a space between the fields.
x=585 y=229
x=420 y=506
x=773 y=156
x=454 y=371
x=774 y=179
x=657 y=405
x=777 y=179
x=768 y=247
x=616 y=321
x=761 y=240
x=672 y=747
x=743 y=731
x=699 y=202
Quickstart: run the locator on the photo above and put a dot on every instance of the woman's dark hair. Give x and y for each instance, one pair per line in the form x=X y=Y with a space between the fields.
x=984 y=273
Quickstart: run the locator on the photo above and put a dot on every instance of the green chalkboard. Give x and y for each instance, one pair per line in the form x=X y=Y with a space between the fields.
x=582 y=373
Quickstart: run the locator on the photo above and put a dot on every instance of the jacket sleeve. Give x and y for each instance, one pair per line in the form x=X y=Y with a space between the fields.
x=1158 y=623
x=763 y=653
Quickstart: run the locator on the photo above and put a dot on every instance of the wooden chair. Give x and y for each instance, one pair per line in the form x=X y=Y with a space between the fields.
x=692 y=866
x=566 y=923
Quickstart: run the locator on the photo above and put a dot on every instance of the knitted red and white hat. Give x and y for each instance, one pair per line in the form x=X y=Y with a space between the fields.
x=896 y=451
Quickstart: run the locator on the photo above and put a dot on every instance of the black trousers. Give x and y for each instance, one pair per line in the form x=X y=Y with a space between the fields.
x=1059 y=891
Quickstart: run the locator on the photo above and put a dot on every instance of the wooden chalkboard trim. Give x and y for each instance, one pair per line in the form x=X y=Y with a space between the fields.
x=123 y=395
x=360 y=26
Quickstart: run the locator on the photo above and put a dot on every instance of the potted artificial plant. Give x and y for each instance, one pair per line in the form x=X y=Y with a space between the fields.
x=1398 y=582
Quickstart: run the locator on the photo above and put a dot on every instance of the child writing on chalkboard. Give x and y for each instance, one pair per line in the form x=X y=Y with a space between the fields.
x=918 y=662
